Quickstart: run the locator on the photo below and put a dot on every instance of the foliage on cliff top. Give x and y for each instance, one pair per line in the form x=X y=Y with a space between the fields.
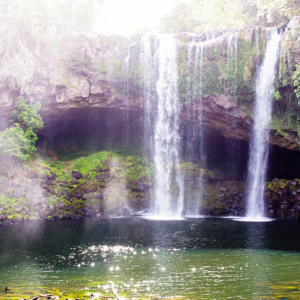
x=198 y=15
x=38 y=27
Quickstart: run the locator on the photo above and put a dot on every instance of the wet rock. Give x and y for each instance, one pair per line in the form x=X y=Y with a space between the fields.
x=205 y=210
x=217 y=212
x=141 y=180
x=141 y=187
x=19 y=208
x=97 y=208
x=227 y=209
x=45 y=194
x=88 y=211
x=75 y=217
x=80 y=211
x=53 y=176
x=110 y=175
x=17 y=193
x=77 y=174
x=87 y=196
x=73 y=181
x=99 y=195
x=63 y=183
x=126 y=211
x=32 y=174
x=112 y=164
x=102 y=169
x=284 y=210
x=77 y=195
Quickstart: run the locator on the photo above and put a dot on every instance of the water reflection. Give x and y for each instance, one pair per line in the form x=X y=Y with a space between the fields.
x=256 y=267
x=198 y=258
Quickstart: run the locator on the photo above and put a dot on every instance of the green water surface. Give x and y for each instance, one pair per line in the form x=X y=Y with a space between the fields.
x=194 y=259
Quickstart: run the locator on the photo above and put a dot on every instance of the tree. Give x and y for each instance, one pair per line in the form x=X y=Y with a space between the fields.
x=14 y=142
x=27 y=116
x=29 y=28
x=278 y=12
x=19 y=140
x=199 y=15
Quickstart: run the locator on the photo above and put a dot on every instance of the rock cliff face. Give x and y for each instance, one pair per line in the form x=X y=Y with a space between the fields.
x=93 y=74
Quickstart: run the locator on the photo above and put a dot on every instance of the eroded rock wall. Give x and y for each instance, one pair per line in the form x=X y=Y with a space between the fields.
x=93 y=73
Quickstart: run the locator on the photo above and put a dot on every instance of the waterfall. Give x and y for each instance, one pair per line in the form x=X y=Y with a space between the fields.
x=126 y=90
x=260 y=135
x=159 y=79
x=190 y=100
x=196 y=54
x=232 y=63
x=148 y=71
x=167 y=138
x=231 y=84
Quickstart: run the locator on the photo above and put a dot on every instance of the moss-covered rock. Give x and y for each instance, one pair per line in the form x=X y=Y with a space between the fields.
x=100 y=184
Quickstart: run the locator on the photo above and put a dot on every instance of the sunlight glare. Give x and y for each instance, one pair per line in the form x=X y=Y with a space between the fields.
x=126 y=17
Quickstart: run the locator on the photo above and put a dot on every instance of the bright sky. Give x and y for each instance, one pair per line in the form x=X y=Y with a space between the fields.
x=127 y=16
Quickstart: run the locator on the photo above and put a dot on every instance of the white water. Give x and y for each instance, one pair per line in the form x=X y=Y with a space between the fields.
x=260 y=135
x=196 y=54
x=159 y=77
x=166 y=137
x=126 y=89
x=232 y=63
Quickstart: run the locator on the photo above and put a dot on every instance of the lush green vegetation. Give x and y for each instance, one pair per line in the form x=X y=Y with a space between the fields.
x=131 y=167
x=105 y=174
x=19 y=140
x=296 y=81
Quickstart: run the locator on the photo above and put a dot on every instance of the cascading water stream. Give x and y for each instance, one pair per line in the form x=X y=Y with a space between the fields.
x=159 y=77
x=232 y=63
x=260 y=136
x=231 y=85
x=200 y=55
x=148 y=73
x=166 y=136
x=126 y=90
x=195 y=92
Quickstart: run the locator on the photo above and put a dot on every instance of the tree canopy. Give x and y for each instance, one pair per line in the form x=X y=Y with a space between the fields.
x=29 y=28
x=197 y=15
